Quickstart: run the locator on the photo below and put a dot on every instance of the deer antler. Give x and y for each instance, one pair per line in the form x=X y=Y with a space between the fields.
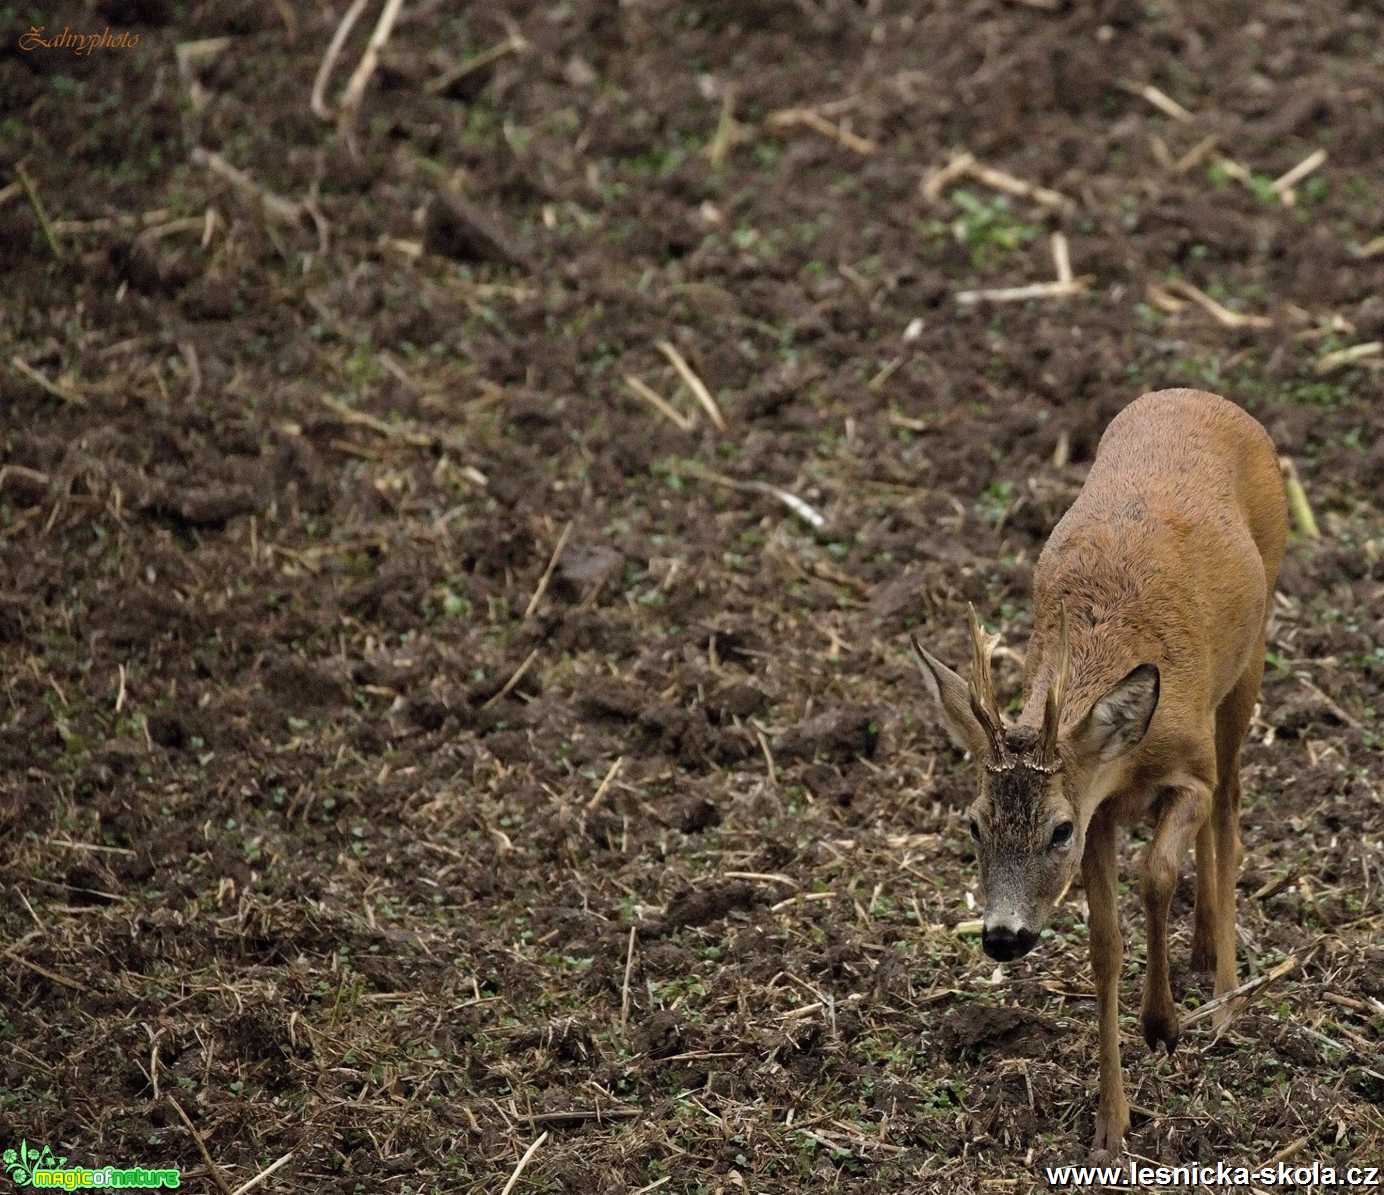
x=983 y=704
x=1046 y=755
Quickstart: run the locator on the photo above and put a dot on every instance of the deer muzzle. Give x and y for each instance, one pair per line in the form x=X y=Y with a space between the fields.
x=1006 y=943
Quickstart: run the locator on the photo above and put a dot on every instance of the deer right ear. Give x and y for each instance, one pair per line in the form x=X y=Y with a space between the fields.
x=1118 y=721
x=952 y=697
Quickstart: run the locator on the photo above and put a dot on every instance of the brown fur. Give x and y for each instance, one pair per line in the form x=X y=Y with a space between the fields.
x=1166 y=560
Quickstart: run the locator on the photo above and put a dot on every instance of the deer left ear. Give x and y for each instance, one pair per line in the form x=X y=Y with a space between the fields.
x=953 y=701
x=1118 y=721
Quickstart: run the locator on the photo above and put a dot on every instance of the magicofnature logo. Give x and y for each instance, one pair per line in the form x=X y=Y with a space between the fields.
x=39 y=1166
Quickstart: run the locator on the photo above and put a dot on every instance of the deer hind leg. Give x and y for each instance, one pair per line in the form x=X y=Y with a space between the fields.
x=1204 y=915
x=1232 y=720
x=1185 y=809
x=1098 y=877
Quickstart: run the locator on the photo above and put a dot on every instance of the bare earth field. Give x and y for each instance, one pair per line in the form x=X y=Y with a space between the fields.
x=416 y=745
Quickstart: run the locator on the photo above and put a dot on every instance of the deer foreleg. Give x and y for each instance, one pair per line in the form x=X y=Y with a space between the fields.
x=1098 y=876
x=1185 y=810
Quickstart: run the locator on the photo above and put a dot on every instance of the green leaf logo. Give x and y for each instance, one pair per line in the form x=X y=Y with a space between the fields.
x=22 y=1163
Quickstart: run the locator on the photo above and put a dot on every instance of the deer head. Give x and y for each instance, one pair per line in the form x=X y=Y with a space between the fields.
x=1029 y=816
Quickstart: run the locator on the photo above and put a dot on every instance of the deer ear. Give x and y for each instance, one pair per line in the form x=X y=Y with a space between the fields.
x=952 y=696
x=1118 y=722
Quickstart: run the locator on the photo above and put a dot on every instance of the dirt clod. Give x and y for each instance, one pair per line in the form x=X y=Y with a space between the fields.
x=699 y=814
x=840 y=734
x=739 y=701
x=701 y=906
x=457 y=229
x=304 y=687
x=977 y=1030
x=660 y=1036
x=585 y=567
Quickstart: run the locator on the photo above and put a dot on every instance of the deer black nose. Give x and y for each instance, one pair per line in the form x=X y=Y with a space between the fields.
x=1006 y=944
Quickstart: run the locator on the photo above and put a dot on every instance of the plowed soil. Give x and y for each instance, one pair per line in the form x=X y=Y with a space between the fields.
x=417 y=746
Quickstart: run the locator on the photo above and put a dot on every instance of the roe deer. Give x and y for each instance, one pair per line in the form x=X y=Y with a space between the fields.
x=1151 y=600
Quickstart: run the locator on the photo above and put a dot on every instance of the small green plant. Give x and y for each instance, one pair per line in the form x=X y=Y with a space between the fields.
x=988 y=228
x=995 y=498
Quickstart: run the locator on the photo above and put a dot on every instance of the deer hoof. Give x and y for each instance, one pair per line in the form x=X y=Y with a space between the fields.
x=1160 y=1025
x=1112 y=1123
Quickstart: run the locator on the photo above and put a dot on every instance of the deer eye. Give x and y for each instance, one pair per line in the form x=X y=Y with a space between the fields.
x=1062 y=834
x=975 y=829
